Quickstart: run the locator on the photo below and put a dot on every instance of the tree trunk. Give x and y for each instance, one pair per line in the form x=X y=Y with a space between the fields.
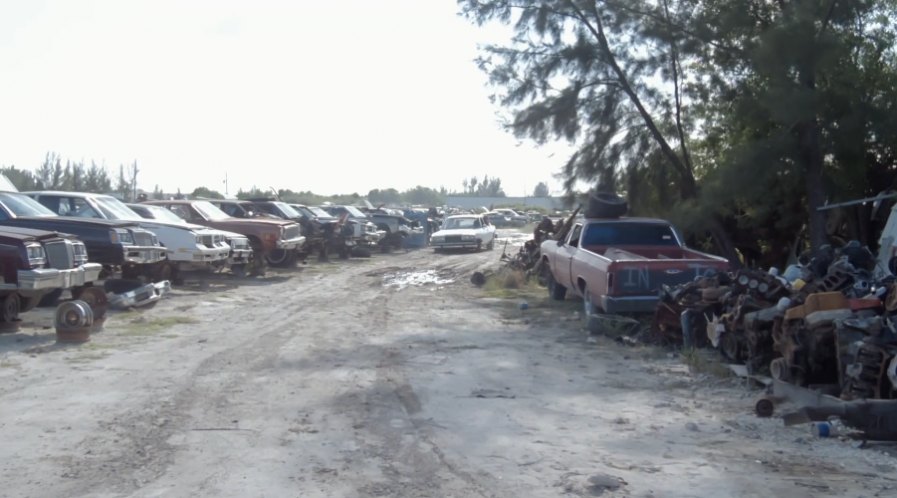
x=811 y=154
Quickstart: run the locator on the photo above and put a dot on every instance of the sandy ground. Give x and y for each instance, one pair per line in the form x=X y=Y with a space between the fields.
x=338 y=379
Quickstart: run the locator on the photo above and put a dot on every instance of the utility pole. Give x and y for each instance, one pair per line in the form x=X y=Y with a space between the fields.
x=225 y=184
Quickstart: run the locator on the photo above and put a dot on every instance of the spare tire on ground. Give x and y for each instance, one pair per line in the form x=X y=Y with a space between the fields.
x=606 y=205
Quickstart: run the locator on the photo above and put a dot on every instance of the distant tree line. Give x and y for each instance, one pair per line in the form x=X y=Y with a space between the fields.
x=74 y=176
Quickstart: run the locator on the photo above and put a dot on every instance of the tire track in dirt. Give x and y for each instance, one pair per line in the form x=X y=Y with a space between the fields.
x=140 y=446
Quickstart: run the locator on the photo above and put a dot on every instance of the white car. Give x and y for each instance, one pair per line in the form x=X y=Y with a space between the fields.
x=464 y=231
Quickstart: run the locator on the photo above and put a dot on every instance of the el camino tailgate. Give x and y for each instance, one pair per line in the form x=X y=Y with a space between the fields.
x=647 y=276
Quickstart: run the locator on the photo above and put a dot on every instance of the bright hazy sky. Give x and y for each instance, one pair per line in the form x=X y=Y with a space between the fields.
x=330 y=96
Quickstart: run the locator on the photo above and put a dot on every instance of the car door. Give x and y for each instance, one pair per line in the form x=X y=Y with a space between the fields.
x=564 y=263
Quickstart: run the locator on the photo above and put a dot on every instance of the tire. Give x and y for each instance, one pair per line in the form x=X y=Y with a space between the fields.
x=49 y=300
x=590 y=312
x=131 y=272
x=491 y=245
x=239 y=271
x=479 y=246
x=281 y=258
x=556 y=291
x=12 y=305
x=164 y=270
x=95 y=298
x=343 y=252
x=606 y=205
x=361 y=252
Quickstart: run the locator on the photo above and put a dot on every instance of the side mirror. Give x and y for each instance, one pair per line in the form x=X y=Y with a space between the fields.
x=560 y=242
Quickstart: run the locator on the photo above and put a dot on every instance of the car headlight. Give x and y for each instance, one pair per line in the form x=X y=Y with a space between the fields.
x=37 y=258
x=121 y=236
x=199 y=240
x=238 y=242
x=80 y=251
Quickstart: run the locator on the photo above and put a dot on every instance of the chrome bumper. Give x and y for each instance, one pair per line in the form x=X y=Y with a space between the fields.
x=144 y=254
x=52 y=278
x=239 y=256
x=207 y=255
x=294 y=243
x=629 y=304
x=471 y=244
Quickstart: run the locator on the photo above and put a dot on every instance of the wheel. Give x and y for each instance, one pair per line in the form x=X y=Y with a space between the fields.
x=239 y=271
x=95 y=298
x=343 y=252
x=164 y=270
x=729 y=347
x=361 y=252
x=11 y=307
x=132 y=272
x=281 y=258
x=590 y=312
x=491 y=245
x=555 y=290
x=606 y=205
x=50 y=298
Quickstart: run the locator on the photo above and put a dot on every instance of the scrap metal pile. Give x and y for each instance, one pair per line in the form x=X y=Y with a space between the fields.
x=827 y=322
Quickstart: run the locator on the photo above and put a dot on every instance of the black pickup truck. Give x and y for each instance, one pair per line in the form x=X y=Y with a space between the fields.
x=117 y=245
x=37 y=263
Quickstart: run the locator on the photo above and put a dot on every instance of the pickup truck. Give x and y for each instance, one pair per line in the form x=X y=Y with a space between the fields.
x=35 y=263
x=618 y=265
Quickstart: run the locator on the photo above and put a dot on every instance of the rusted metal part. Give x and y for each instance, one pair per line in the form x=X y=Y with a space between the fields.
x=828 y=324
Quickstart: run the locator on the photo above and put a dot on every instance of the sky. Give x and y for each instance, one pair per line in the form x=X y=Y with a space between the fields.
x=328 y=96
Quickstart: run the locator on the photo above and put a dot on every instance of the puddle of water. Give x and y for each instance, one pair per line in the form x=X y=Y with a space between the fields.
x=417 y=278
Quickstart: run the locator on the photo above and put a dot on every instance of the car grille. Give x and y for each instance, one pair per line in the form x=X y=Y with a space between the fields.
x=60 y=254
x=144 y=238
x=291 y=232
x=453 y=238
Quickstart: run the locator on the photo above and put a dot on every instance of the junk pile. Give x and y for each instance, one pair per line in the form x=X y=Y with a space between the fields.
x=827 y=325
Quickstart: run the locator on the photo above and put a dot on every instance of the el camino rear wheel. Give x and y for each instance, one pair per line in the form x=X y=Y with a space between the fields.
x=555 y=290
x=11 y=307
x=593 y=323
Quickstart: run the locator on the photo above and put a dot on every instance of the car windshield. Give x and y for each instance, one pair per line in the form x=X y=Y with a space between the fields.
x=162 y=214
x=455 y=223
x=287 y=210
x=22 y=205
x=631 y=234
x=316 y=211
x=355 y=212
x=115 y=209
x=209 y=211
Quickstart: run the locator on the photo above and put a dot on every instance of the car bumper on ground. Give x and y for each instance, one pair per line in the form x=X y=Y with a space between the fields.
x=142 y=296
x=629 y=304
x=144 y=254
x=52 y=278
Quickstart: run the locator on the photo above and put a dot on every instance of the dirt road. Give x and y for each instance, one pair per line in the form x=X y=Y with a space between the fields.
x=359 y=379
